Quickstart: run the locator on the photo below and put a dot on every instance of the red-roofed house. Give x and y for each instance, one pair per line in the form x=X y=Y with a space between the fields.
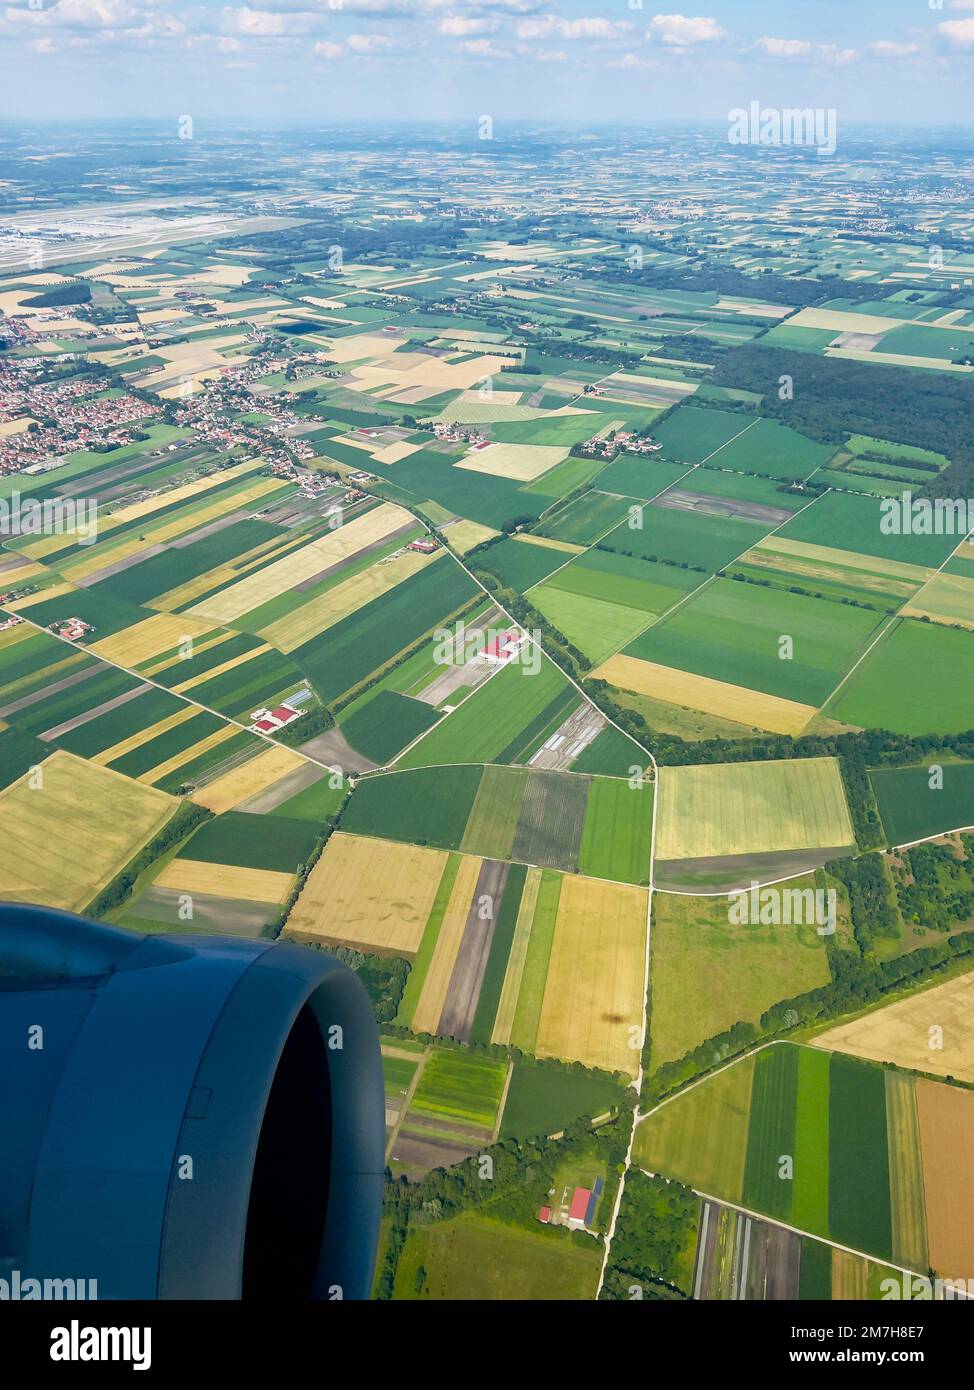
x=283 y=714
x=578 y=1208
x=266 y=726
x=544 y=1215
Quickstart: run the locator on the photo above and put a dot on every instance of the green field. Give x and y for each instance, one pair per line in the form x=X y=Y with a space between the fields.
x=708 y=973
x=494 y=815
x=424 y=807
x=383 y=726
x=842 y=522
x=460 y=1086
x=617 y=832
x=518 y=564
x=734 y=632
x=691 y=434
x=705 y=543
x=253 y=842
x=543 y=1099
x=492 y=723
x=584 y=519
x=472 y=1257
x=500 y=950
x=916 y=680
x=913 y=810
x=349 y=651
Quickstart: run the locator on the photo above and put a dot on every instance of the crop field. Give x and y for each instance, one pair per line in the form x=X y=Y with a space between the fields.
x=89 y=820
x=598 y=628
x=901 y=1033
x=362 y=643
x=681 y=688
x=225 y=881
x=786 y=645
x=542 y=1100
x=549 y=828
x=740 y=809
x=585 y=518
x=856 y=523
x=428 y=806
x=691 y=435
x=239 y=784
x=384 y=726
x=519 y=565
x=916 y=680
x=496 y=722
x=593 y=998
x=368 y=893
x=456 y=1084
x=701 y=1137
x=703 y=543
x=253 y=842
x=495 y=812
x=617 y=832
x=708 y=973
x=472 y=1257
x=875 y=1154
x=912 y=809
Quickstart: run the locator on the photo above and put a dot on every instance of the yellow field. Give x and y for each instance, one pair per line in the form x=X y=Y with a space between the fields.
x=850 y=1277
x=42 y=596
x=141 y=736
x=321 y=613
x=735 y=702
x=464 y=535
x=946 y=598
x=522 y=462
x=507 y=1006
x=839 y=322
x=551 y=545
x=846 y=559
x=67 y=838
x=751 y=808
x=426 y=1018
x=152 y=668
x=900 y=1032
x=593 y=1001
x=947 y=1142
x=302 y=564
x=369 y=893
x=906 y=1204
x=150 y=638
x=223 y=574
x=392 y=453
x=243 y=782
x=225 y=880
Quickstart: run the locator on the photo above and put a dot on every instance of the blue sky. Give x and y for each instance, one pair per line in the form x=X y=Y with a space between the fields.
x=577 y=60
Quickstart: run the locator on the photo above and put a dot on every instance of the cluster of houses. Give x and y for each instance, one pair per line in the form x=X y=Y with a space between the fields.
x=72 y=629
x=623 y=441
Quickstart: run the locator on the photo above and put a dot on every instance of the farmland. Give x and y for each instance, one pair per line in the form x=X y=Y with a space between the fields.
x=869 y=1164
x=485 y=604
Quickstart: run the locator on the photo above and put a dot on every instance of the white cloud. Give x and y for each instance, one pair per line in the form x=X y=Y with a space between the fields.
x=678 y=30
x=369 y=43
x=325 y=49
x=587 y=27
x=887 y=48
x=263 y=24
x=785 y=48
x=455 y=26
x=789 y=49
x=959 y=33
x=629 y=62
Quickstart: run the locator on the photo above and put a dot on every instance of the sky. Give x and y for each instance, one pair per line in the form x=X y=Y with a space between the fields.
x=584 y=61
